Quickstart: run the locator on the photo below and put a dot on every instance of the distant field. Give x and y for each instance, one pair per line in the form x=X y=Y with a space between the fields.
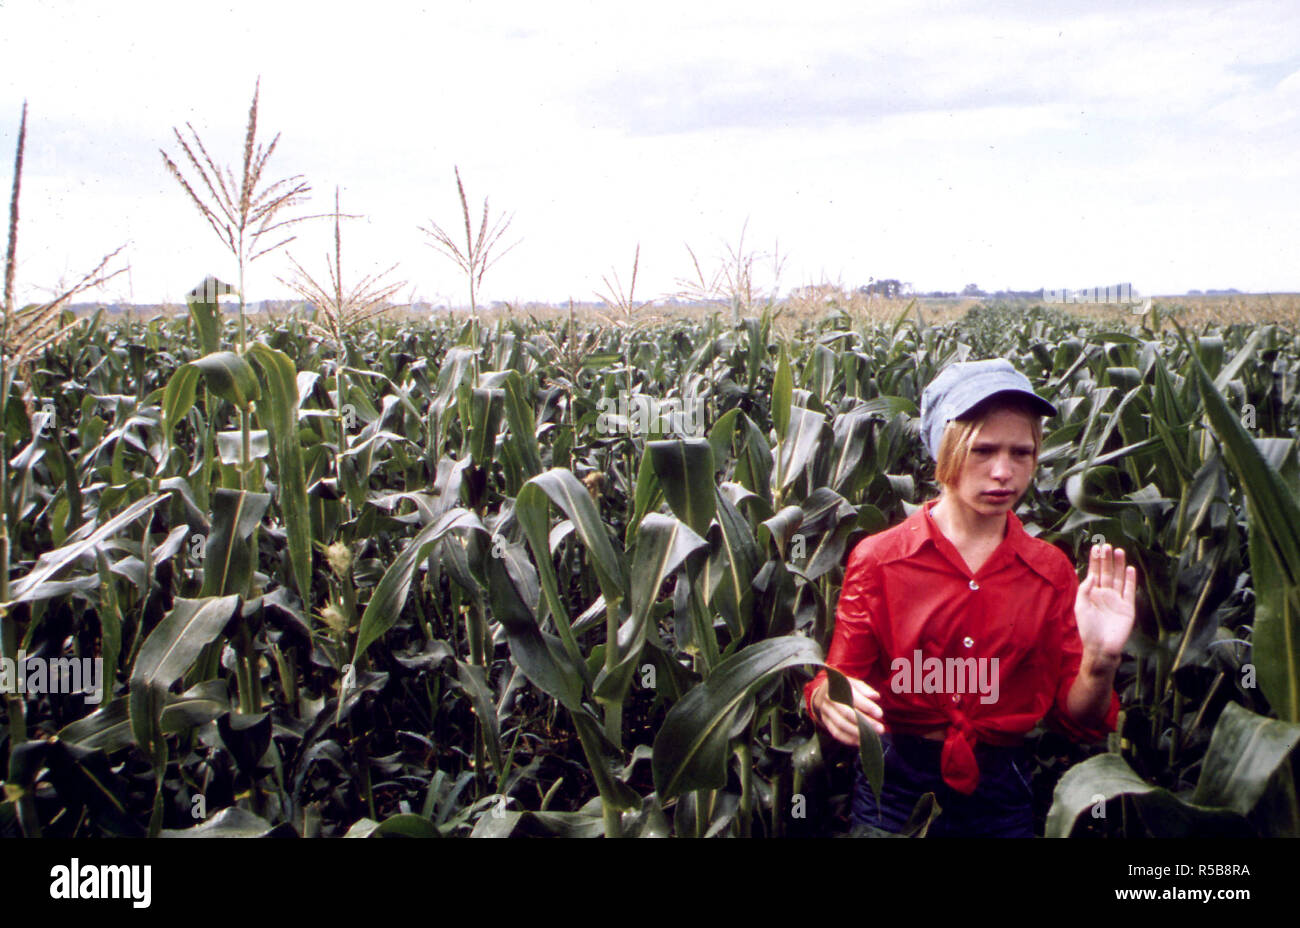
x=1282 y=308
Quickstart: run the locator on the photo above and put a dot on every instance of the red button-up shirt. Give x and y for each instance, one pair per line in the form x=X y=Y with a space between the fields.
x=909 y=598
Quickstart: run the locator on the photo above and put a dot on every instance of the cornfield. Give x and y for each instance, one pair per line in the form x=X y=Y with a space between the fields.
x=503 y=584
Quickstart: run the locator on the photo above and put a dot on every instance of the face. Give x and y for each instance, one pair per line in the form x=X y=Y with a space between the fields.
x=1000 y=464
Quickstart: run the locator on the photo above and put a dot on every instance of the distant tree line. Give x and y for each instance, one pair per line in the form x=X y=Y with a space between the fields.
x=891 y=288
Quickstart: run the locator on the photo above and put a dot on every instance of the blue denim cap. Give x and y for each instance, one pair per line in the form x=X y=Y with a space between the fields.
x=961 y=387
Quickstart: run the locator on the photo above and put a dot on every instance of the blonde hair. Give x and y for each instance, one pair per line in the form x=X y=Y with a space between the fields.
x=959 y=436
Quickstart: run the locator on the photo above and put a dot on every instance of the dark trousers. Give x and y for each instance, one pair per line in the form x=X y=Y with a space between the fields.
x=1000 y=807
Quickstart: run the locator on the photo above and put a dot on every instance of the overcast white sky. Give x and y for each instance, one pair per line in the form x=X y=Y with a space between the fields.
x=1005 y=144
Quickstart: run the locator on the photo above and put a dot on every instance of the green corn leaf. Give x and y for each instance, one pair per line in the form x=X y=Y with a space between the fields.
x=757 y=351
x=178 y=400
x=280 y=383
x=852 y=431
x=85 y=776
x=532 y=510
x=230 y=445
x=485 y=406
x=870 y=750
x=164 y=658
x=110 y=620
x=734 y=563
x=1273 y=514
x=754 y=459
x=233 y=822
x=721 y=434
x=693 y=744
x=228 y=553
x=663 y=545
x=246 y=736
x=458 y=364
x=782 y=391
x=32 y=586
x=800 y=444
x=1093 y=790
x=475 y=687
x=230 y=377
x=781 y=528
x=523 y=425
x=571 y=497
x=649 y=492
x=604 y=762
x=205 y=310
x=389 y=596
x=1239 y=360
x=401 y=825
x=1247 y=768
x=512 y=593
x=1276 y=638
x=685 y=471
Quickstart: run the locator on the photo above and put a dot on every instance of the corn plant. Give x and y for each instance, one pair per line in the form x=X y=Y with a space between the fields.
x=481 y=250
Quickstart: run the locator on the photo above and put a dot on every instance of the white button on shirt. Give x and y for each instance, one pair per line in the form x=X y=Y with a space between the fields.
x=974 y=585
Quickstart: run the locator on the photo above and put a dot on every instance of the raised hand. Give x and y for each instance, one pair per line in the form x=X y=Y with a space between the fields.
x=1107 y=602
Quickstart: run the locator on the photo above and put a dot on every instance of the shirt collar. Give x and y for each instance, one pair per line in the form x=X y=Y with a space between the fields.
x=918 y=528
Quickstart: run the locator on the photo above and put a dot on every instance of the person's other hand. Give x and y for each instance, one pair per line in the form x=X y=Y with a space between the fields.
x=839 y=720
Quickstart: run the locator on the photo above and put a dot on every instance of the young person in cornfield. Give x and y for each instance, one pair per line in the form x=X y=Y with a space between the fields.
x=961 y=579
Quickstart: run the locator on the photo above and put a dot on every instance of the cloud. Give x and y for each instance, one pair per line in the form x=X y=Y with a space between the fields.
x=1155 y=61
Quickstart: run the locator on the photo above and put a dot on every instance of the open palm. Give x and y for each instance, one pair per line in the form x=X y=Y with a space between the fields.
x=1106 y=604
